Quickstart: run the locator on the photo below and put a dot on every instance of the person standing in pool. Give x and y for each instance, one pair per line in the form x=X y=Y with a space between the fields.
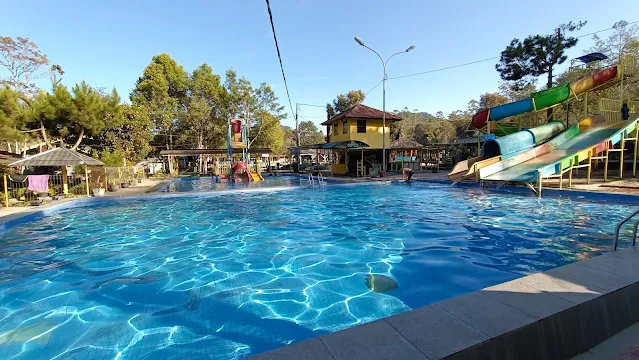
x=407 y=173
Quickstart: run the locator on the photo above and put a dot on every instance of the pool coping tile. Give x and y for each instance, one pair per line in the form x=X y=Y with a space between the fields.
x=312 y=349
x=435 y=332
x=486 y=315
x=374 y=340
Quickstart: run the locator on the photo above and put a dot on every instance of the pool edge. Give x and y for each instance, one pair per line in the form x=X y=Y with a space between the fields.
x=558 y=313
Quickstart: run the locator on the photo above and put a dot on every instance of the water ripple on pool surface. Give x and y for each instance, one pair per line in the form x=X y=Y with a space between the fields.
x=233 y=275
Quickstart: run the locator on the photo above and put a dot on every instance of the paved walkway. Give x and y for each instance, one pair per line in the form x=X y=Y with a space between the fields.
x=147 y=186
x=623 y=346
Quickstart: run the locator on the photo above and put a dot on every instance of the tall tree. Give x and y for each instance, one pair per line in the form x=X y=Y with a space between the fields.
x=23 y=61
x=11 y=115
x=163 y=88
x=70 y=116
x=266 y=113
x=202 y=119
x=127 y=135
x=309 y=133
x=537 y=55
x=623 y=41
x=489 y=100
x=344 y=101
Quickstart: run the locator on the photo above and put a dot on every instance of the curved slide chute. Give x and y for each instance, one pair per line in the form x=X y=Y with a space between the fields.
x=241 y=172
x=546 y=98
x=498 y=149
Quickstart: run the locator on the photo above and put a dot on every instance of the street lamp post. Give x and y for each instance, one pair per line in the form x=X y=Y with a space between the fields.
x=359 y=41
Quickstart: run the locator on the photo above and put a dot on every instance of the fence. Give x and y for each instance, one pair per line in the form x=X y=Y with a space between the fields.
x=611 y=109
x=23 y=190
x=114 y=177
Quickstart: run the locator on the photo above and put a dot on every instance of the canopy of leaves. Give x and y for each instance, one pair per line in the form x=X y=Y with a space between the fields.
x=309 y=133
x=11 y=115
x=22 y=61
x=523 y=61
x=344 y=101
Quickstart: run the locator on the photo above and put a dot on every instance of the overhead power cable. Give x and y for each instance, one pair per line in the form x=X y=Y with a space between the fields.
x=279 y=56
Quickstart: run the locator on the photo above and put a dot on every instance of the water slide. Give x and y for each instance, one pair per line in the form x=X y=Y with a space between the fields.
x=241 y=172
x=566 y=149
x=257 y=177
x=497 y=149
x=546 y=98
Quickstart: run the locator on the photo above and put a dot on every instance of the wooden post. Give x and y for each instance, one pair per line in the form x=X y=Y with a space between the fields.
x=634 y=162
x=539 y=183
x=561 y=180
x=623 y=144
x=106 y=179
x=589 y=168
x=6 y=192
x=65 y=180
x=606 y=163
x=86 y=180
x=570 y=177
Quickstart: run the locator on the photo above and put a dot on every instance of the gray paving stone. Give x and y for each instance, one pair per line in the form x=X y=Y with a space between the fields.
x=312 y=349
x=376 y=340
x=598 y=281
x=623 y=262
x=487 y=315
x=435 y=332
x=563 y=288
x=526 y=296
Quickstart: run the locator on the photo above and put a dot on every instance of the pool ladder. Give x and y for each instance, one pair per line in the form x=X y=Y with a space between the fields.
x=320 y=179
x=634 y=230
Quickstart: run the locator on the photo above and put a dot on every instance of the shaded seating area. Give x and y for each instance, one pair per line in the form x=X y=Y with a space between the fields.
x=405 y=154
x=346 y=157
x=45 y=177
x=211 y=161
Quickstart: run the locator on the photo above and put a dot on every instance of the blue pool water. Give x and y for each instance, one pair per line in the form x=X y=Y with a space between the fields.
x=190 y=184
x=228 y=274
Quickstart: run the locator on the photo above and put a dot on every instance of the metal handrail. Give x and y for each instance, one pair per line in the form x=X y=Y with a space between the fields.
x=310 y=179
x=634 y=233
x=320 y=179
x=616 y=242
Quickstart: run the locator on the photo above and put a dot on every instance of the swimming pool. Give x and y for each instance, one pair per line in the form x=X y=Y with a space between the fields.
x=231 y=274
x=190 y=184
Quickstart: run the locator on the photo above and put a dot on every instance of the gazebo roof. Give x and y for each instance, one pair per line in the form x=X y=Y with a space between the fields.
x=361 y=111
x=405 y=144
x=58 y=157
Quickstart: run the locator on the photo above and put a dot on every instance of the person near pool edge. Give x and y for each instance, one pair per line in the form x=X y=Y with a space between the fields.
x=408 y=173
x=625 y=111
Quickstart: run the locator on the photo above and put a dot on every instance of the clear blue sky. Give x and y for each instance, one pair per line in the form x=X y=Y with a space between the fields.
x=108 y=44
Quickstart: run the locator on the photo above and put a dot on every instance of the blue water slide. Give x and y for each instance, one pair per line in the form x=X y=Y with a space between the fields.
x=521 y=141
x=514 y=108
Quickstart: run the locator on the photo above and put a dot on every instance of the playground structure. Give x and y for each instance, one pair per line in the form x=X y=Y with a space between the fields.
x=226 y=164
x=237 y=171
x=552 y=150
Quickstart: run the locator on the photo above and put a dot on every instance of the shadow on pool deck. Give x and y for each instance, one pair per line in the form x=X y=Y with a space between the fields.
x=556 y=314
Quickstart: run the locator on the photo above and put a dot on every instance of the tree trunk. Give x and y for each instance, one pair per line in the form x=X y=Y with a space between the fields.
x=77 y=142
x=43 y=131
x=548 y=86
x=200 y=144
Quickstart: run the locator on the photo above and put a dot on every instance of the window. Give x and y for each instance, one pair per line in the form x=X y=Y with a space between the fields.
x=344 y=126
x=335 y=129
x=361 y=126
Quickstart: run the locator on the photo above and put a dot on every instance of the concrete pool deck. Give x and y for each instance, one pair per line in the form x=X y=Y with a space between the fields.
x=556 y=314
